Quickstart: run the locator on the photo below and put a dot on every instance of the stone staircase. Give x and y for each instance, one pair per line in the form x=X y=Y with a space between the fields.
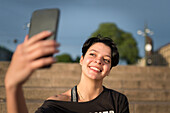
x=147 y=88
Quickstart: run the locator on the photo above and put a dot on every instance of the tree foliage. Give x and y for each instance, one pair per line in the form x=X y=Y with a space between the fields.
x=126 y=44
x=66 y=58
x=77 y=60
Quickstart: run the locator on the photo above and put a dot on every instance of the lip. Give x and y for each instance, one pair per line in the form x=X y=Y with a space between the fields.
x=97 y=69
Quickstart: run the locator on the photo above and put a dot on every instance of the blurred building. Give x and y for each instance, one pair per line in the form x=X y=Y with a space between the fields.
x=161 y=57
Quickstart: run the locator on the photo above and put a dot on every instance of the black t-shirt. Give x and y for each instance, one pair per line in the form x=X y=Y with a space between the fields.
x=109 y=101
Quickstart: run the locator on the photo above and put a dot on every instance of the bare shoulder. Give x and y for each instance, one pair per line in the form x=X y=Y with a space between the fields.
x=66 y=96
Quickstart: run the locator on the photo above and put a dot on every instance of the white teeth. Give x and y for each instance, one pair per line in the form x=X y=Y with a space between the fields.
x=96 y=69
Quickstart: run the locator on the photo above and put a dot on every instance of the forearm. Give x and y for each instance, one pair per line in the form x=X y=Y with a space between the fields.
x=27 y=58
x=15 y=100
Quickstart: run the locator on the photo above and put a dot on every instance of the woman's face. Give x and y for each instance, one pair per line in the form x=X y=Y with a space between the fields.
x=96 y=63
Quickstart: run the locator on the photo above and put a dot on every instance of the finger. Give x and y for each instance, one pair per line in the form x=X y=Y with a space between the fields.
x=42 y=62
x=42 y=44
x=39 y=36
x=42 y=52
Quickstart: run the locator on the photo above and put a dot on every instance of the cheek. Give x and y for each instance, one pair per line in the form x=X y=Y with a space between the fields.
x=85 y=65
x=87 y=60
x=107 y=68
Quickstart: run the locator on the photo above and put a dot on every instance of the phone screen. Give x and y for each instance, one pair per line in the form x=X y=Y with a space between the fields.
x=44 y=19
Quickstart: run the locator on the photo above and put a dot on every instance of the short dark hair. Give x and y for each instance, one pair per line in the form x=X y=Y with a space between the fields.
x=105 y=40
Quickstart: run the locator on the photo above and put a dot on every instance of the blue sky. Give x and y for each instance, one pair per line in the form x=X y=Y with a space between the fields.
x=80 y=18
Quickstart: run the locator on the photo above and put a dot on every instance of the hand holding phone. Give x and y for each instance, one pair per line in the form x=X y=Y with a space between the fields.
x=44 y=20
x=26 y=57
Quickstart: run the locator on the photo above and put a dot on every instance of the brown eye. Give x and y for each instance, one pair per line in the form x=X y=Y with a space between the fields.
x=106 y=61
x=92 y=54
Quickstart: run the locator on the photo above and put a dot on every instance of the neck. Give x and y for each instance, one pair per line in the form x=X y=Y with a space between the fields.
x=89 y=89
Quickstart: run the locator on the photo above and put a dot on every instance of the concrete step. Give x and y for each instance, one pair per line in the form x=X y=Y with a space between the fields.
x=36 y=93
x=118 y=84
x=133 y=95
x=32 y=106
x=70 y=81
x=139 y=76
x=47 y=78
x=137 y=95
x=135 y=107
x=139 y=84
x=119 y=72
x=149 y=107
x=117 y=69
x=147 y=88
x=139 y=69
x=147 y=95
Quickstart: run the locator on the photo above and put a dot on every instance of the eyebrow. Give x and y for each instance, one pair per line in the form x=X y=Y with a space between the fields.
x=98 y=52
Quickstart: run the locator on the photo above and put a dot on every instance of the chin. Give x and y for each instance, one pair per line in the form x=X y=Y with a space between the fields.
x=94 y=77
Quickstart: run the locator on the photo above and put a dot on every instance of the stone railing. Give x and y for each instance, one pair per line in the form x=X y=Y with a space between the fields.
x=147 y=88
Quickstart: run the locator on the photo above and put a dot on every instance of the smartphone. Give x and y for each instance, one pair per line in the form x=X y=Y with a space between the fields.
x=42 y=20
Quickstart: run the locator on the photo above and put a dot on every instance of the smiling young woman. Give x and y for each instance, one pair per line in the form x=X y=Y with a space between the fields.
x=99 y=55
x=96 y=63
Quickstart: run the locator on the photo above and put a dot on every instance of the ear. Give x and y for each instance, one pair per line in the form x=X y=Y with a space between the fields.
x=81 y=60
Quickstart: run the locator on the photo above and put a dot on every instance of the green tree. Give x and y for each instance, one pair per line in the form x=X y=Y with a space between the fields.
x=77 y=60
x=126 y=44
x=64 y=58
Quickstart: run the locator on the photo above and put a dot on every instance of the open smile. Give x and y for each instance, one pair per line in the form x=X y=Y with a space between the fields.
x=95 y=69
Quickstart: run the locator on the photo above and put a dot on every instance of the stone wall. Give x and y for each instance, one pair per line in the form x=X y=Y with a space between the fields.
x=147 y=88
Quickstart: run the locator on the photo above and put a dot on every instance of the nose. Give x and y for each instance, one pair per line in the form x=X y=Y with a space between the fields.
x=98 y=60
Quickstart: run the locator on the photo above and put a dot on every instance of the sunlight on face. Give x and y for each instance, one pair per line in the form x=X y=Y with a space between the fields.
x=96 y=63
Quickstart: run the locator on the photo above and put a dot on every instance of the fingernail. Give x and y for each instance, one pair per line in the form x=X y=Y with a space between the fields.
x=49 y=31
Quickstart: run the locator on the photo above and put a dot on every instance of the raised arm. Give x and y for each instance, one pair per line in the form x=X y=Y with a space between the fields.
x=26 y=59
